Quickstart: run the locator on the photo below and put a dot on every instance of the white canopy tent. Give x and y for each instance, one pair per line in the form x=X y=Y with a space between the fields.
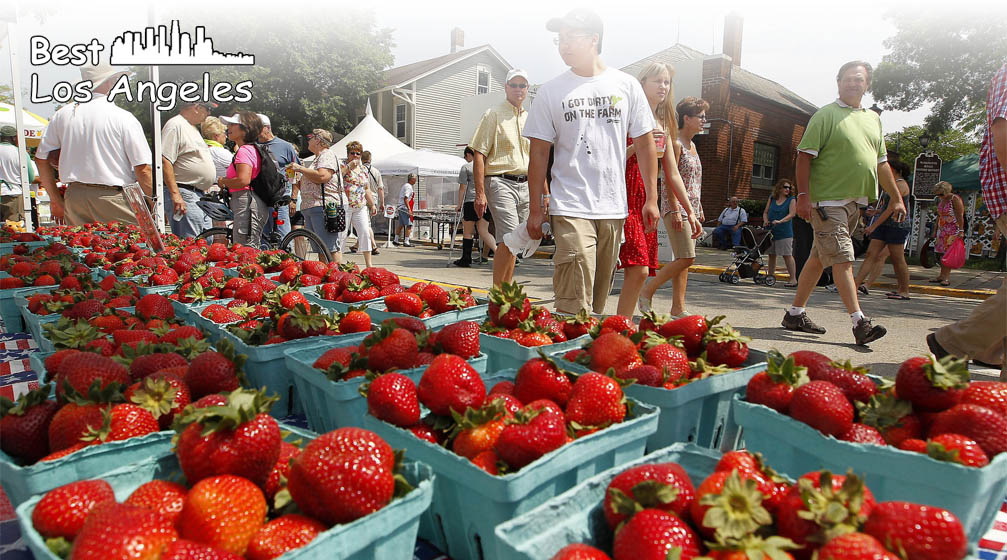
x=437 y=172
x=373 y=137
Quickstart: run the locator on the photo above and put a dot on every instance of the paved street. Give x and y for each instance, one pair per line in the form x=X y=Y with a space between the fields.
x=755 y=310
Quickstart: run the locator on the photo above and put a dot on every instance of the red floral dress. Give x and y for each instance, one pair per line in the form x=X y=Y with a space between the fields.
x=638 y=248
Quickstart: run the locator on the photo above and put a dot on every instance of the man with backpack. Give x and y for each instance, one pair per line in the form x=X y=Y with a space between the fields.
x=284 y=154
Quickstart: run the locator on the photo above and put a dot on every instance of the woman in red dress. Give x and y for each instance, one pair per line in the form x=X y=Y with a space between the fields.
x=638 y=255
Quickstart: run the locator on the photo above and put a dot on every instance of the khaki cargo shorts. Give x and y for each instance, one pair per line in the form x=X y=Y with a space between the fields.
x=833 y=244
x=585 y=259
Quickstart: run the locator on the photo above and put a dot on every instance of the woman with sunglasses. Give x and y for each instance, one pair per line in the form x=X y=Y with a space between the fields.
x=321 y=174
x=779 y=215
x=361 y=203
x=249 y=210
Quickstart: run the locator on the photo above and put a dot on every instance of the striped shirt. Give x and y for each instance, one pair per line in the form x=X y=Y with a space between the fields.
x=991 y=172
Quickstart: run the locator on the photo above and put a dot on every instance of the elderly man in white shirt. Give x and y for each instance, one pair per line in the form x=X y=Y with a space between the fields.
x=730 y=221
x=101 y=149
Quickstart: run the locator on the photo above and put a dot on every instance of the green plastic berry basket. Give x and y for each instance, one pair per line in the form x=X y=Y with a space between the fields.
x=506 y=353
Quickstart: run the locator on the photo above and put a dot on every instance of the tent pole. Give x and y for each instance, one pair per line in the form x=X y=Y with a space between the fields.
x=19 y=123
x=158 y=179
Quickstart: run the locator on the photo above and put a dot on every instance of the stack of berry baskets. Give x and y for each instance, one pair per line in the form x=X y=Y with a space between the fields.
x=515 y=331
x=942 y=440
x=77 y=298
x=690 y=368
x=684 y=502
x=39 y=271
x=496 y=456
x=433 y=304
x=328 y=378
x=345 y=286
x=355 y=497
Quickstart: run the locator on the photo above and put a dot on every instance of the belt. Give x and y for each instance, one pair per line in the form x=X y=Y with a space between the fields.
x=189 y=188
x=109 y=187
x=510 y=177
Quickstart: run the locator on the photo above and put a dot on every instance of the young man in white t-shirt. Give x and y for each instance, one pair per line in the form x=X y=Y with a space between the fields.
x=587 y=113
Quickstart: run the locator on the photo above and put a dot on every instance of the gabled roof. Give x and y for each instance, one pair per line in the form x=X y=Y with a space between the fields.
x=741 y=79
x=403 y=75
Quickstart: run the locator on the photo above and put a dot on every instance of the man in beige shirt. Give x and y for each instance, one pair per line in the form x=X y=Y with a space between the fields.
x=500 y=169
x=188 y=170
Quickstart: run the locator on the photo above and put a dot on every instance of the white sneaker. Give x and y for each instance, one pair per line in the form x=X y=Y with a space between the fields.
x=644 y=304
x=407 y=243
x=684 y=313
x=832 y=288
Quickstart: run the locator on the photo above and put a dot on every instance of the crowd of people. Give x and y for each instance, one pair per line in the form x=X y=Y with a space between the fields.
x=601 y=156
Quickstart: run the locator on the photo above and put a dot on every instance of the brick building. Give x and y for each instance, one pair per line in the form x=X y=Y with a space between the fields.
x=755 y=124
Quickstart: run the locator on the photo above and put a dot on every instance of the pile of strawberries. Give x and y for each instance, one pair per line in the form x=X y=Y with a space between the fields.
x=88 y=299
x=399 y=343
x=662 y=353
x=932 y=408
x=45 y=266
x=511 y=426
x=743 y=510
x=511 y=315
x=12 y=235
x=242 y=483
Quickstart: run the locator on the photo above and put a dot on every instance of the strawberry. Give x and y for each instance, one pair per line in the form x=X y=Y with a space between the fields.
x=281 y=470
x=214 y=371
x=54 y=360
x=853 y=381
x=85 y=309
x=854 y=546
x=184 y=549
x=541 y=378
x=359 y=291
x=671 y=361
x=251 y=293
x=314 y=268
x=618 y=324
x=301 y=322
x=739 y=495
x=725 y=346
x=922 y=532
x=163 y=394
x=914 y=445
x=460 y=339
x=477 y=430
x=820 y=505
x=596 y=401
x=155 y=305
x=79 y=372
x=450 y=384
x=508 y=305
x=127 y=336
x=991 y=394
x=931 y=384
x=579 y=324
x=691 y=329
x=163 y=496
x=392 y=397
x=390 y=348
x=329 y=291
x=427 y=433
x=239 y=438
x=61 y=511
x=121 y=531
x=816 y=363
x=648 y=376
x=664 y=486
x=978 y=423
x=892 y=417
x=24 y=426
x=355 y=320
x=957 y=448
x=123 y=421
x=536 y=429
x=654 y=533
x=343 y=475
x=405 y=302
x=862 y=433
x=223 y=511
x=502 y=388
x=775 y=386
x=580 y=551
x=531 y=339
x=332 y=356
x=281 y=535
x=380 y=277
x=216 y=252
x=178 y=334
x=72 y=422
x=822 y=406
x=613 y=350
x=146 y=364
x=292 y=298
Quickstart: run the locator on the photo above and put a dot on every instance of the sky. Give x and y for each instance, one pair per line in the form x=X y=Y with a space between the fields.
x=798 y=44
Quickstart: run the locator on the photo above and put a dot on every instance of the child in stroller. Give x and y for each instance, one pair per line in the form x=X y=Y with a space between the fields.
x=749 y=258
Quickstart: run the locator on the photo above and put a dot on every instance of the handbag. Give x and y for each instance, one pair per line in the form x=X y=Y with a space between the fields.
x=954 y=257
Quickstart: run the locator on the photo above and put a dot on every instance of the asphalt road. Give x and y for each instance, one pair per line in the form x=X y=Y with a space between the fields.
x=754 y=310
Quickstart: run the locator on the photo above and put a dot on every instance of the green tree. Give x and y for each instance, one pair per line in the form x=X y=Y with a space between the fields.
x=945 y=57
x=949 y=145
x=309 y=72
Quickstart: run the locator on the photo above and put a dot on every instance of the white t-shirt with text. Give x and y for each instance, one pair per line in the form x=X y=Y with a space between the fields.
x=587 y=119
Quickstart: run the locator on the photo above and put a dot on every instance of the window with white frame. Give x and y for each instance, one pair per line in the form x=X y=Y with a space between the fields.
x=482 y=80
x=400 y=120
x=764 y=158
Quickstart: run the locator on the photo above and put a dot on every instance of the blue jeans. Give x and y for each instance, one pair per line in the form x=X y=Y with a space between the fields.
x=721 y=233
x=314 y=220
x=193 y=221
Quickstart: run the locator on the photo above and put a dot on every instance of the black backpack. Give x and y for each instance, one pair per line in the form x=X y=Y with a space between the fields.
x=271 y=183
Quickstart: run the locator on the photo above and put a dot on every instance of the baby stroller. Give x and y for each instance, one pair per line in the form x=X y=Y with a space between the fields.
x=749 y=258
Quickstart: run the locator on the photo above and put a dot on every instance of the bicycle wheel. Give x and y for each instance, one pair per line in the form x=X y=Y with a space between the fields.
x=316 y=248
x=217 y=235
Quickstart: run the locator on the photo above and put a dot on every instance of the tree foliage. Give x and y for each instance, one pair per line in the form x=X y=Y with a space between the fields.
x=944 y=57
x=312 y=70
x=949 y=145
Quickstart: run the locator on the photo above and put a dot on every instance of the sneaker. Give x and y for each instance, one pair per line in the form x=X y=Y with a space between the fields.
x=353 y=249
x=865 y=332
x=832 y=288
x=800 y=323
x=463 y=263
x=395 y=242
x=863 y=289
x=681 y=315
x=407 y=244
x=644 y=304
x=375 y=251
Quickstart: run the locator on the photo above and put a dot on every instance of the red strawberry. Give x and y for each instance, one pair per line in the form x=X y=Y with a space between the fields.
x=163 y=496
x=822 y=406
x=292 y=298
x=819 y=503
x=314 y=268
x=24 y=427
x=281 y=535
x=340 y=356
x=922 y=532
x=692 y=329
x=355 y=320
x=775 y=386
x=596 y=401
x=957 y=448
x=242 y=439
x=223 y=511
x=892 y=417
x=613 y=350
x=427 y=433
x=664 y=486
x=281 y=470
x=740 y=494
x=991 y=394
x=983 y=425
x=252 y=293
x=579 y=324
x=124 y=421
x=854 y=546
x=618 y=324
x=580 y=551
x=177 y=334
x=502 y=388
x=541 y=378
x=478 y=430
x=380 y=277
x=853 y=381
x=930 y=384
x=390 y=348
x=508 y=305
x=726 y=346
x=461 y=339
x=645 y=375
x=163 y=394
x=405 y=302
x=537 y=429
x=914 y=445
x=120 y=531
x=862 y=433
x=61 y=511
x=214 y=372
x=85 y=309
x=653 y=534
x=450 y=383
x=815 y=362
x=392 y=397
x=184 y=549
x=155 y=305
x=343 y=475
x=671 y=361
x=146 y=364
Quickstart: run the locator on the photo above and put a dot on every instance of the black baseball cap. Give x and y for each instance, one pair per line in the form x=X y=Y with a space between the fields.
x=578 y=18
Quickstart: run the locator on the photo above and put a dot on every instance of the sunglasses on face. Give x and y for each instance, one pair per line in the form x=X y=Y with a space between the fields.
x=354 y=153
x=518 y=86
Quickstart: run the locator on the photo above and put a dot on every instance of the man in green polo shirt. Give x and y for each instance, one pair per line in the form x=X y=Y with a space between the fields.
x=840 y=160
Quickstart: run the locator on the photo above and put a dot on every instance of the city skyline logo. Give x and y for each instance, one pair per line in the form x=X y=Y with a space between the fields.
x=167 y=45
